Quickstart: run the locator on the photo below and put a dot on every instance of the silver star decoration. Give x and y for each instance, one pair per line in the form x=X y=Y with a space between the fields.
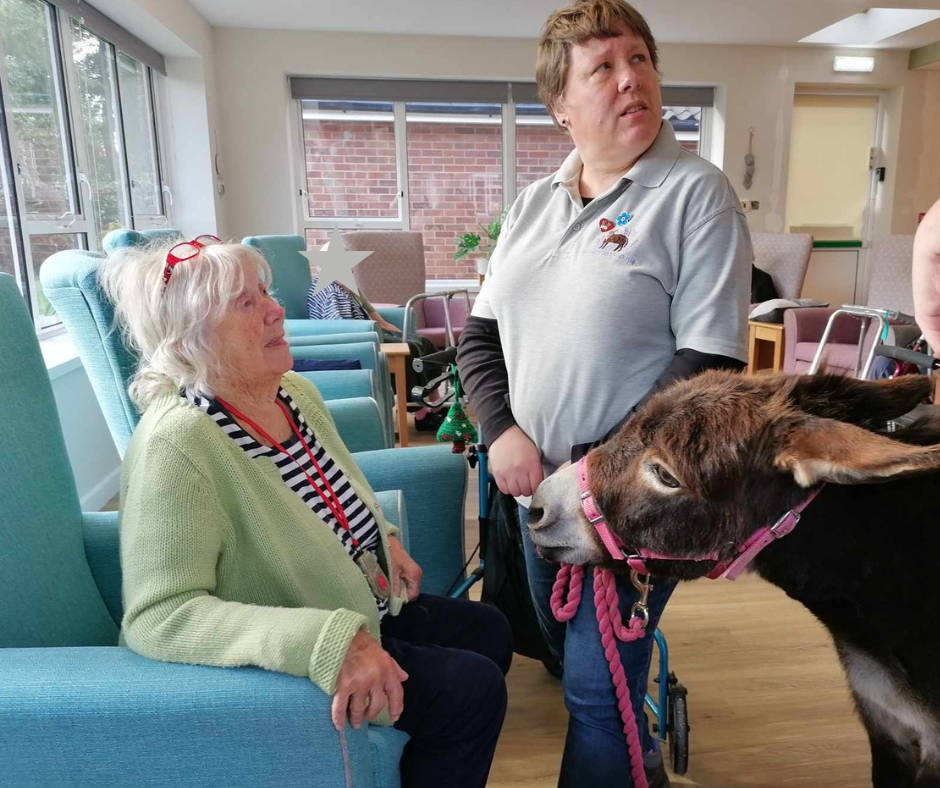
x=334 y=263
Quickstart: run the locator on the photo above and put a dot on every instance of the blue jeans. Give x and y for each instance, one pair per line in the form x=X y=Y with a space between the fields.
x=595 y=748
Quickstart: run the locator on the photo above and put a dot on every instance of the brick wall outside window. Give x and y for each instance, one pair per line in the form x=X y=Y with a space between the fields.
x=454 y=170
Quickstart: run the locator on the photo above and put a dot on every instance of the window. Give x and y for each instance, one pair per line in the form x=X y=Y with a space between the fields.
x=455 y=178
x=540 y=146
x=135 y=85
x=79 y=146
x=97 y=92
x=440 y=157
x=9 y=216
x=687 y=123
x=349 y=151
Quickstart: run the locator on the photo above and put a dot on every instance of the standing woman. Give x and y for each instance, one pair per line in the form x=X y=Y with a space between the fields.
x=626 y=270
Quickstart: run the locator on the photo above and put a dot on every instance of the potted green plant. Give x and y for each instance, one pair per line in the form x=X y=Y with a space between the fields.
x=481 y=245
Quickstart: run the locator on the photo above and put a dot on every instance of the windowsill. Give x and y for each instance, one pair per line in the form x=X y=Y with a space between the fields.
x=438 y=285
x=60 y=355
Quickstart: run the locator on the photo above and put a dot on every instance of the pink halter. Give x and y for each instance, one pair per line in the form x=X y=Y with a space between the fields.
x=731 y=569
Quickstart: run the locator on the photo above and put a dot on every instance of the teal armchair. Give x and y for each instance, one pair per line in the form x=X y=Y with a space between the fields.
x=425 y=473
x=70 y=282
x=77 y=709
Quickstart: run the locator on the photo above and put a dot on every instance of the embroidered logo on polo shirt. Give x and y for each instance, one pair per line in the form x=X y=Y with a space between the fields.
x=618 y=239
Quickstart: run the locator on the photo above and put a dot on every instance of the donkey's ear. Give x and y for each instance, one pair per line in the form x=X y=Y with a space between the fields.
x=817 y=450
x=865 y=403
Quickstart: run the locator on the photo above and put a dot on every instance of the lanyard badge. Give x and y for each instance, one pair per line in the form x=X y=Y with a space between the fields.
x=374 y=574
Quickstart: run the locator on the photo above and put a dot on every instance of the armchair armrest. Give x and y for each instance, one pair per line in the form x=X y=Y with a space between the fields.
x=298 y=327
x=107 y=716
x=433 y=481
x=103 y=552
x=397 y=314
x=369 y=356
x=333 y=339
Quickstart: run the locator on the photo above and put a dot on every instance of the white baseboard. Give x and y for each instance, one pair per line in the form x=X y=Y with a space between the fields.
x=101 y=493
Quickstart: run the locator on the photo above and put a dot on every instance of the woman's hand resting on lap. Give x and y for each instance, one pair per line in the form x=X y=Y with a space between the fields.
x=368 y=681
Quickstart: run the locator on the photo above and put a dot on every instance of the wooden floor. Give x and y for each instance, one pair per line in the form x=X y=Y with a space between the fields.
x=768 y=703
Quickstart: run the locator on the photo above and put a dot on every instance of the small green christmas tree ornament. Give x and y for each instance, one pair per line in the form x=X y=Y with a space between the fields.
x=456 y=427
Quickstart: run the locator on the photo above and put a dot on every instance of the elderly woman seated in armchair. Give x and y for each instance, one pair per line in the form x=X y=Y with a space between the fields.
x=250 y=537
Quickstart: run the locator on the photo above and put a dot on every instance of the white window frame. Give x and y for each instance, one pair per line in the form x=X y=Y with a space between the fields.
x=304 y=222
x=81 y=222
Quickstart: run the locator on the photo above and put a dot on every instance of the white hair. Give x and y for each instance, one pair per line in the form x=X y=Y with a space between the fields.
x=171 y=327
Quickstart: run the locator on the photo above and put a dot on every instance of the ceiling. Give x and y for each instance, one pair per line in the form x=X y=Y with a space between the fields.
x=769 y=22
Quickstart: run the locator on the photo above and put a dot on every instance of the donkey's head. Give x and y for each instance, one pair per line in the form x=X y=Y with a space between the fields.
x=709 y=460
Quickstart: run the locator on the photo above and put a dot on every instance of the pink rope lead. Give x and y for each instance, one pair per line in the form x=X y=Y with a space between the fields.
x=612 y=629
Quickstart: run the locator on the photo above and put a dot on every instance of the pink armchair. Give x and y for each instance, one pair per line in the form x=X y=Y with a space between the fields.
x=889 y=287
x=785 y=256
x=394 y=272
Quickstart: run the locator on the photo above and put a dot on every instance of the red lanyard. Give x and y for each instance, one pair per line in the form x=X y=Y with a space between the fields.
x=331 y=500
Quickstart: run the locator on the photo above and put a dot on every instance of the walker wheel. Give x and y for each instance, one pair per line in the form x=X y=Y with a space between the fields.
x=678 y=727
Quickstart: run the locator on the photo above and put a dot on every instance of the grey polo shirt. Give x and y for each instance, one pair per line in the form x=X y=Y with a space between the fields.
x=593 y=302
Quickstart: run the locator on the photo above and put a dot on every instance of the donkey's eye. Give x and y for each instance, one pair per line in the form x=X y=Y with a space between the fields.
x=665 y=477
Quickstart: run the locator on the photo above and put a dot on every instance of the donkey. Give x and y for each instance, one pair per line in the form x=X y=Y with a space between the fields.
x=704 y=464
x=615 y=238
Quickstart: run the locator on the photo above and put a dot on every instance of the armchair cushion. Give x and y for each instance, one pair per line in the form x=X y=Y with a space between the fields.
x=103 y=550
x=339 y=384
x=358 y=423
x=107 y=716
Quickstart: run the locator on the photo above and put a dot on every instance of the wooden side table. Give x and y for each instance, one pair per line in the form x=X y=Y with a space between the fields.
x=764 y=347
x=396 y=353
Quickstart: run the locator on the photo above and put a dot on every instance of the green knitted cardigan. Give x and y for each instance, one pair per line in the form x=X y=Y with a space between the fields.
x=223 y=564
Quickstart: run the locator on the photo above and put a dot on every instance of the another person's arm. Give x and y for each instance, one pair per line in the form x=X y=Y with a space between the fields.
x=364 y=302
x=514 y=460
x=926 y=277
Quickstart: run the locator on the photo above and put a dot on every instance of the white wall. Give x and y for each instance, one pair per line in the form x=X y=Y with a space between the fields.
x=757 y=85
x=188 y=104
x=95 y=461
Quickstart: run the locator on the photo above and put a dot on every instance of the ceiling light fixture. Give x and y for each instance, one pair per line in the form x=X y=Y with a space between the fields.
x=859 y=65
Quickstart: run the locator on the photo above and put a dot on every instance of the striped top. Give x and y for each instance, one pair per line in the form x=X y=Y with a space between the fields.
x=335 y=302
x=362 y=525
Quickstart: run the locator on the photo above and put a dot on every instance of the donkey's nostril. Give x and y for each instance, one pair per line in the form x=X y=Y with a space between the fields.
x=536 y=513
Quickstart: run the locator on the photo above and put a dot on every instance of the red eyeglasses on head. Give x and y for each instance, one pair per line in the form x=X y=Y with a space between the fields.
x=186 y=250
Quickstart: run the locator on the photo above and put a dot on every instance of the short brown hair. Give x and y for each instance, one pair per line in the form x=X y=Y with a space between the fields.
x=580 y=21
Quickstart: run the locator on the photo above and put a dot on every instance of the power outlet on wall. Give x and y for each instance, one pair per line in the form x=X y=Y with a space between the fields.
x=746 y=206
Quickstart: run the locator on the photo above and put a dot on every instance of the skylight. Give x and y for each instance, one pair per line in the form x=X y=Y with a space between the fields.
x=872 y=26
